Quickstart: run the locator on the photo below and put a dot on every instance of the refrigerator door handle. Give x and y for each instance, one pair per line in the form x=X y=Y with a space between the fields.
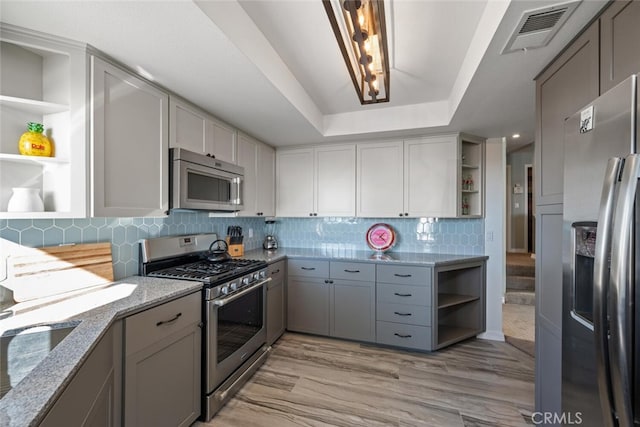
x=600 y=288
x=620 y=341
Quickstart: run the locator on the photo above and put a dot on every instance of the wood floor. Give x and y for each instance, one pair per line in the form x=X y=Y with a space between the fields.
x=314 y=381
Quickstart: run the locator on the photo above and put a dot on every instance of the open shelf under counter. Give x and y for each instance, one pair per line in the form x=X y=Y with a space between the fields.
x=32 y=106
x=448 y=335
x=467 y=166
x=449 y=300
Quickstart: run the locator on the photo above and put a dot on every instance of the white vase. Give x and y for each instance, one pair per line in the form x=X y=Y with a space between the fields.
x=25 y=200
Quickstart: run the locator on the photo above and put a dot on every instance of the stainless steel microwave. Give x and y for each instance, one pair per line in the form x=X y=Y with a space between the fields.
x=201 y=182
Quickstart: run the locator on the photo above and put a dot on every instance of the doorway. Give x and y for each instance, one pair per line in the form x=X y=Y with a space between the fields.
x=529 y=209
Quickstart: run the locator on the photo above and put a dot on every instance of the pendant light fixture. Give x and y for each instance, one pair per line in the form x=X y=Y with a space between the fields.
x=360 y=29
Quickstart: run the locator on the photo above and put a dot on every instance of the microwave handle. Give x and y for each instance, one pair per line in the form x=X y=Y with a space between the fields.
x=236 y=198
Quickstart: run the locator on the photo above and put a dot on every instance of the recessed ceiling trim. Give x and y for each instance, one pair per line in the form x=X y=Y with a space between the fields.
x=537 y=27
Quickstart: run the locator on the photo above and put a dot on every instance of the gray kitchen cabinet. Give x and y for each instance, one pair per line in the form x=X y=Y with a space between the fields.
x=316 y=181
x=129 y=140
x=196 y=130
x=92 y=398
x=258 y=160
x=353 y=300
x=276 y=302
x=308 y=305
x=568 y=84
x=619 y=35
x=162 y=348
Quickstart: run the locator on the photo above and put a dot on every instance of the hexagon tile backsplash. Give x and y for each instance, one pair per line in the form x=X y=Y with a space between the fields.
x=432 y=235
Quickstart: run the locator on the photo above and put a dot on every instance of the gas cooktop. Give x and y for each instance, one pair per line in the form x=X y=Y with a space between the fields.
x=210 y=272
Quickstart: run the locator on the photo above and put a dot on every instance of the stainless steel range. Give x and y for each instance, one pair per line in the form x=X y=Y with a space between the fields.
x=234 y=339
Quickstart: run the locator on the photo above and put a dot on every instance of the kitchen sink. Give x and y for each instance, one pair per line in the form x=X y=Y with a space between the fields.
x=23 y=349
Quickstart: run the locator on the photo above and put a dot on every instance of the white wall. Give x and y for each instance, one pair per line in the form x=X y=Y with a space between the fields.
x=495 y=239
x=518 y=159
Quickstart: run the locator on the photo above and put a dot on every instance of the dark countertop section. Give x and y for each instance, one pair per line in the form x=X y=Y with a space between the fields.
x=405 y=258
x=94 y=312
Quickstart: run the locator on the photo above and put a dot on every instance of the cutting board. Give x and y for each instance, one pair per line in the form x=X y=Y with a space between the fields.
x=41 y=272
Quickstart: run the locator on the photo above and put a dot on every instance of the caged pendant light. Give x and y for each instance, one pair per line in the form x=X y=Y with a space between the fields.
x=360 y=29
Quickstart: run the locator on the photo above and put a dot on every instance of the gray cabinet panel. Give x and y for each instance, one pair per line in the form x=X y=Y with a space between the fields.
x=567 y=85
x=308 y=268
x=619 y=36
x=308 y=305
x=402 y=313
x=400 y=335
x=403 y=274
x=162 y=379
x=403 y=294
x=91 y=398
x=353 y=271
x=548 y=369
x=275 y=301
x=353 y=310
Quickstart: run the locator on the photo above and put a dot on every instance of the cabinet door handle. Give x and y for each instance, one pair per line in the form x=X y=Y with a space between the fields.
x=352 y=271
x=401 y=295
x=402 y=314
x=163 y=322
x=402 y=336
x=308 y=268
x=402 y=275
x=327 y=281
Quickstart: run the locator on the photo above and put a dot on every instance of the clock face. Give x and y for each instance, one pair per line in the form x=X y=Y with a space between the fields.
x=381 y=237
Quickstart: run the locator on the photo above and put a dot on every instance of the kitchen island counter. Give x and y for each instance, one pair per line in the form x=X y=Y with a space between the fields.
x=94 y=312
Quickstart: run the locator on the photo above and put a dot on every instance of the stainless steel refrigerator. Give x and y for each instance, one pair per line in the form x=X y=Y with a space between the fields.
x=601 y=250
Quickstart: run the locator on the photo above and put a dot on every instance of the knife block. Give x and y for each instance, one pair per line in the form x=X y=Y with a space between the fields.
x=235 y=250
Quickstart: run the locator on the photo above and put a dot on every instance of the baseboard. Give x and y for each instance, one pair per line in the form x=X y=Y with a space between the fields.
x=491 y=335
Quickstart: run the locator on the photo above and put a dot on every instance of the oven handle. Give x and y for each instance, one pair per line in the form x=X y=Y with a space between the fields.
x=225 y=301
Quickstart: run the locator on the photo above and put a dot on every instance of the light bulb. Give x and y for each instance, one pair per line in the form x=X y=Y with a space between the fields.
x=361 y=19
x=367 y=46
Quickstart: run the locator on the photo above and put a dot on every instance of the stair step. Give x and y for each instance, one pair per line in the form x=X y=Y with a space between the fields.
x=521 y=270
x=521 y=283
x=520 y=297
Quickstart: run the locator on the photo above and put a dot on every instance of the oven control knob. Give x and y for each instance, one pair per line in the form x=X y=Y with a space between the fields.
x=233 y=286
x=224 y=290
x=263 y=274
x=246 y=280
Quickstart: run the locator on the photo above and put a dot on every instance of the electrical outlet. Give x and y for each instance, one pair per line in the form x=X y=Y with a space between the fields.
x=516 y=205
x=250 y=233
x=489 y=236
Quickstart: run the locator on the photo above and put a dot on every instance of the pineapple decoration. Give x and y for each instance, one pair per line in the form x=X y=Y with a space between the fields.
x=33 y=142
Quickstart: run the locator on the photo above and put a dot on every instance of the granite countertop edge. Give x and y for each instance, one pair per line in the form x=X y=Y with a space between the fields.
x=22 y=407
x=399 y=258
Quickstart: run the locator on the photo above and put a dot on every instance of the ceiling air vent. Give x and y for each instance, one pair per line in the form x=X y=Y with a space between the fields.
x=537 y=27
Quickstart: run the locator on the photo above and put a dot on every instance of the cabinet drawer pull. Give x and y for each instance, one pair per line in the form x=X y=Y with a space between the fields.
x=402 y=275
x=352 y=271
x=401 y=295
x=177 y=316
x=275 y=272
x=402 y=314
x=308 y=268
x=402 y=336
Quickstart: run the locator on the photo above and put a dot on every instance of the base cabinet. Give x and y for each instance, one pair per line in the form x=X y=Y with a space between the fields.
x=353 y=310
x=162 y=364
x=308 y=305
x=276 y=303
x=92 y=398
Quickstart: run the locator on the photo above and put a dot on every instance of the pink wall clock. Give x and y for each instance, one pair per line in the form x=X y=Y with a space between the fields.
x=381 y=237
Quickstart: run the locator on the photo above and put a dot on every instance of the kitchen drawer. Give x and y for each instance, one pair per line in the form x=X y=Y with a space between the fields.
x=404 y=274
x=403 y=294
x=276 y=271
x=150 y=326
x=308 y=268
x=404 y=313
x=409 y=336
x=353 y=271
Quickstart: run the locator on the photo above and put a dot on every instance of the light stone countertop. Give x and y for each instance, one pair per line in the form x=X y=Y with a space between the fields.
x=28 y=402
x=342 y=254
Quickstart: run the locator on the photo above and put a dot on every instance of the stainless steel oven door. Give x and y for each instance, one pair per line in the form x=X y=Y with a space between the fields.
x=200 y=187
x=235 y=330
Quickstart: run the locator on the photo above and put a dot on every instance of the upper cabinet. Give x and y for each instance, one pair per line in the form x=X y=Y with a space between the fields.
x=316 y=181
x=440 y=176
x=196 y=130
x=619 y=35
x=129 y=144
x=258 y=160
x=43 y=80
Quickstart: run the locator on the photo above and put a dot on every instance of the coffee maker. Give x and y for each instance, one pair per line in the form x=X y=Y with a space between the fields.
x=270 y=242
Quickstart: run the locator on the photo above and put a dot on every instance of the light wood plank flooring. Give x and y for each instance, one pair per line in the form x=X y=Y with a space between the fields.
x=315 y=381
